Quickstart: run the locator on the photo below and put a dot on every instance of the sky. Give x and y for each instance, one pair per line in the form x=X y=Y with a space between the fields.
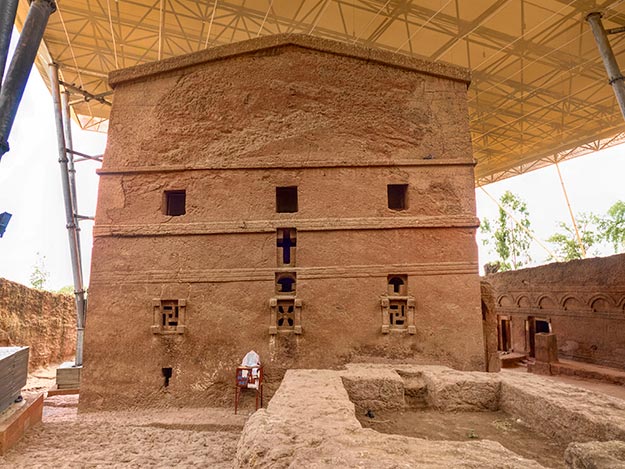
x=30 y=189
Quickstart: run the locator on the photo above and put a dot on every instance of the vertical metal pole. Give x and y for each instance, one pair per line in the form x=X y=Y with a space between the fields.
x=609 y=61
x=23 y=59
x=568 y=204
x=69 y=213
x=8 y=9
x=69 y=143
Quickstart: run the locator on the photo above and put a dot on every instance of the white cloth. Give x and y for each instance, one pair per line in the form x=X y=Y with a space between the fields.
x=251 y=359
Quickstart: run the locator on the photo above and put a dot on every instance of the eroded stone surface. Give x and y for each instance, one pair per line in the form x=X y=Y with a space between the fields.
x=41 y=320
x=310 y=422
x=562 y=411
x=596 y=455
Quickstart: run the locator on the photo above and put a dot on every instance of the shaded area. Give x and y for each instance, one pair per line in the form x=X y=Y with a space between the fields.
x=498 y=426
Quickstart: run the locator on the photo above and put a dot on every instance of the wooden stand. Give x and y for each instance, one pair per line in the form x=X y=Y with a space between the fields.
x=248 y=377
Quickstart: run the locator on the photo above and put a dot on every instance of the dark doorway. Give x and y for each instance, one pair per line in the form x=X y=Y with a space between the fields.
x=532 y=327
x=504 y=336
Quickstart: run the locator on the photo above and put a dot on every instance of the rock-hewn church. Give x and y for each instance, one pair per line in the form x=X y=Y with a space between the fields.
x=310 y=200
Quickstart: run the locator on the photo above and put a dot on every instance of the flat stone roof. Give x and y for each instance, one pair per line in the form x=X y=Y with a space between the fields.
x=392 y=59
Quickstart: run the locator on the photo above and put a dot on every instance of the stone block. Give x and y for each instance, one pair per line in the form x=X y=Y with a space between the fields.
x=450 y=390
x=546 y=348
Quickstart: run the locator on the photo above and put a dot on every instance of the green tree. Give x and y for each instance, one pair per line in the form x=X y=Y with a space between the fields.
x=39 y=276
x=66 y=290
x=510 y=233
x=612 y=226
x=566 y=244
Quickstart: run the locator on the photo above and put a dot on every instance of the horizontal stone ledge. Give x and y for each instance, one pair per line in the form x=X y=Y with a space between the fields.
x=268 y=274
x=285 y=164
x=615 y=314
x=268 y=226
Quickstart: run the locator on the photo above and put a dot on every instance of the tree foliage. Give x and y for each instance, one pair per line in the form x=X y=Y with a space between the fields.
x=566 y=244
x=511 y=232
x=39 y=276
x=66 y=290
x=612 y=226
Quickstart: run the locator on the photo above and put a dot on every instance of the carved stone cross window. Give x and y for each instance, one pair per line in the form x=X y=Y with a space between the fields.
x=398 y=309
x=286 y=243
x=168 y=316
x=286 y=315
x=397 y=313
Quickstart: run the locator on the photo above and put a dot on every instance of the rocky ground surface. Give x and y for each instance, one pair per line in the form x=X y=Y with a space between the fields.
x=312 y=422
x=164 y=438
x=313 y=414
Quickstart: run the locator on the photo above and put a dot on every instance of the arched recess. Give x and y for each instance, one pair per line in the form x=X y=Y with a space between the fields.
x=547 y=302
x=523 y=302
x=505 y=301
x=572 y=303
x=601 y=302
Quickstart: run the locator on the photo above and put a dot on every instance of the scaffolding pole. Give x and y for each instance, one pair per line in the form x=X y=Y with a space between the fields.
x=568 y=204
x=69 y=144
x=8 y=9
x=615 y=76
x=70 y=214
x=23 y=59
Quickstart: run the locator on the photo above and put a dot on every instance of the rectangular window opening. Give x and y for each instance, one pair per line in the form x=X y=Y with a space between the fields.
x=175 y=203
x=286 y=199
x=397 y=196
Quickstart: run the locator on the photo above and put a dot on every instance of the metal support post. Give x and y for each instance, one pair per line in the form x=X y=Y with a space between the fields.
x=8 y=9
x=69 y=143
x=23 y=59
x=70 y=215
x=609 y=61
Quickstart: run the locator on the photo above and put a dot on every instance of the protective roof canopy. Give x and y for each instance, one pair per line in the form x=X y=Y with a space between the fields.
x=539 y=92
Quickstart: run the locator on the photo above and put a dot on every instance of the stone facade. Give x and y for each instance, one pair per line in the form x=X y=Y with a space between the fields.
x=310 y=200
x=581 y=302
x=41 y=320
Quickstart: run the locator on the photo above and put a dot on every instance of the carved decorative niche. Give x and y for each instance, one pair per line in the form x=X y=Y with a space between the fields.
x=286 y=315
x=398 y=308
x=286 y=283
x=169 y=316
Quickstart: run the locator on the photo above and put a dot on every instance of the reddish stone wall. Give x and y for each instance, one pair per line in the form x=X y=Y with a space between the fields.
x=43 y=321
x=228 y=132
x=584 y=302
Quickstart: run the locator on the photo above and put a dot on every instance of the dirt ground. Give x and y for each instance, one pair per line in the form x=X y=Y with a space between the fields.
x=147 y=438
x=467 y=426
x=208 y=437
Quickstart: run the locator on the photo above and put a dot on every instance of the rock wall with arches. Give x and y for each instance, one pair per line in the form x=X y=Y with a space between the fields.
x=582 y=302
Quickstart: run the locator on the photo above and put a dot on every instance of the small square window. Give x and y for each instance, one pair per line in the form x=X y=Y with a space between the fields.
x=397 y=196
x=175 y=202
x=286 y=199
